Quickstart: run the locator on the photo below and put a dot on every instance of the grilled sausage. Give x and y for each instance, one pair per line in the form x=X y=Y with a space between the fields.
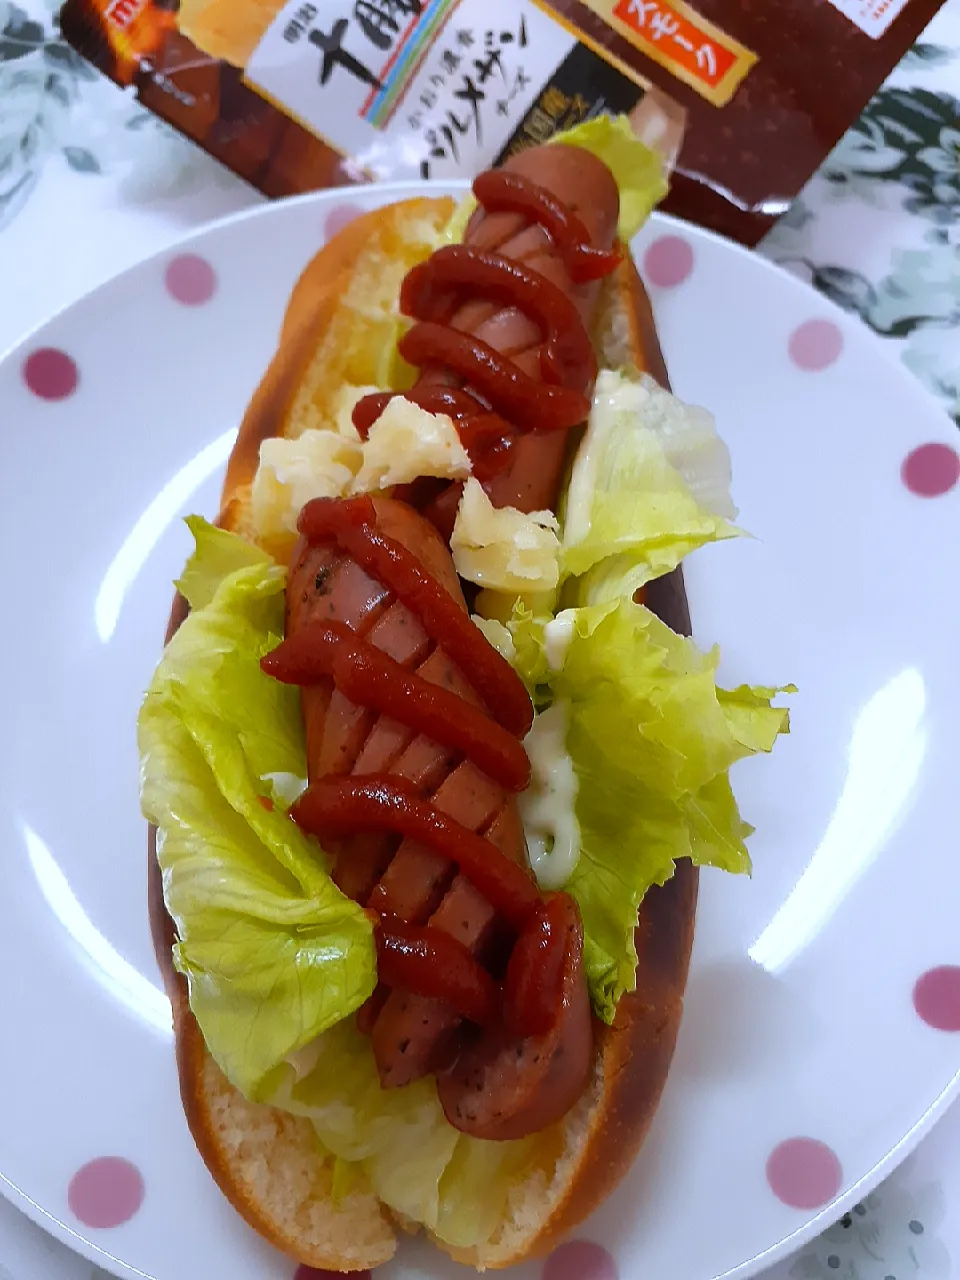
x=504 y=1087
x=530 y=481
x=402 y=880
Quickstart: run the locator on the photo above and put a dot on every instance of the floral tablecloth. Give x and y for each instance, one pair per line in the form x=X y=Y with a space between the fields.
x=90 y=183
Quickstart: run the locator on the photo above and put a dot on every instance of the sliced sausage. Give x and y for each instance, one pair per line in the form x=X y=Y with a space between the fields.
x=412 y=1033
x=503 y=1087
x=530 y=481
x=343 y=738
x=399 y=879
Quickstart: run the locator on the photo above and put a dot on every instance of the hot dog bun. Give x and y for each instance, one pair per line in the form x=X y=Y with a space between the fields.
x=266 y=1162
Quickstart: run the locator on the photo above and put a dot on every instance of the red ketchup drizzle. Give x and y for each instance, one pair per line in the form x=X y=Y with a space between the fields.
x=434 y=964
x=431 y=292
x=535 y=970
x=424 y=959
x=351 y=524
x=510 y=392
x=369 y=678
x=340 y=806
x=500 y=192
x=498 y=399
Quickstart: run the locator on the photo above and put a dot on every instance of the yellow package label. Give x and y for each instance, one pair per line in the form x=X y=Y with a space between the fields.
x=676 y=37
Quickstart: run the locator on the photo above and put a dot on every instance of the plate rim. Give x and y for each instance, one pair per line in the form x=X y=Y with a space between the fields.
x=828 y=1214
x=411 y=187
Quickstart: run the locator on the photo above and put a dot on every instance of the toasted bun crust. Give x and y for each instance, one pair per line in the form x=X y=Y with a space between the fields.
x=268 y=1163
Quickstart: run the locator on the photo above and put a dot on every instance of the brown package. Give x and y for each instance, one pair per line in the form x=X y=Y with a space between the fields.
x=294 y=95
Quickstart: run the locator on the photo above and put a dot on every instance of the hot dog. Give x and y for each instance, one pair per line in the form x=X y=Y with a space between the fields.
x=414 y=1032
x=415 y=746
x=505 y=1086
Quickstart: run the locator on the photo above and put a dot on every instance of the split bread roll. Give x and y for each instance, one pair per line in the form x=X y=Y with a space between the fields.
x=268 y=1163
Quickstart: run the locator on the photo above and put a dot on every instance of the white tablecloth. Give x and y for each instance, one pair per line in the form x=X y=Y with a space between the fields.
x=877 y=230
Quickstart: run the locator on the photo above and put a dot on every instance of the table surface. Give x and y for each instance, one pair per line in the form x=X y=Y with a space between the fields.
x=877 y=230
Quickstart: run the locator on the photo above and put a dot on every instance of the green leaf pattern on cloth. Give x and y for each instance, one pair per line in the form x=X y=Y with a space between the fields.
x=896 y=174
x=57 y=112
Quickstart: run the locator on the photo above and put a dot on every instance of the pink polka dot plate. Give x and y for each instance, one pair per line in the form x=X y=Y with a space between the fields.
x=822 y=1026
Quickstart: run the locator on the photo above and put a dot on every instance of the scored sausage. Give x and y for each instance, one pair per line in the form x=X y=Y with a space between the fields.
x=527 y=1082
x=325 y=584
x=530 y=480
x=402 y=880
x=504 y=1087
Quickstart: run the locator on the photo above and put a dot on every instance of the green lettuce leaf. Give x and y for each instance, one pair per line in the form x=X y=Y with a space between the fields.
x=520 y=639
x=652 y=740
x=272 y=951
x=629 y=514
x=637 y=169
x=216 y=555
x=398 y=1141
x=638 y=172
x=399 y=1137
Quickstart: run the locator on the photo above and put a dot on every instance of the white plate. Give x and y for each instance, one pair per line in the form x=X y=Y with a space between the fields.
x=801 y=1017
